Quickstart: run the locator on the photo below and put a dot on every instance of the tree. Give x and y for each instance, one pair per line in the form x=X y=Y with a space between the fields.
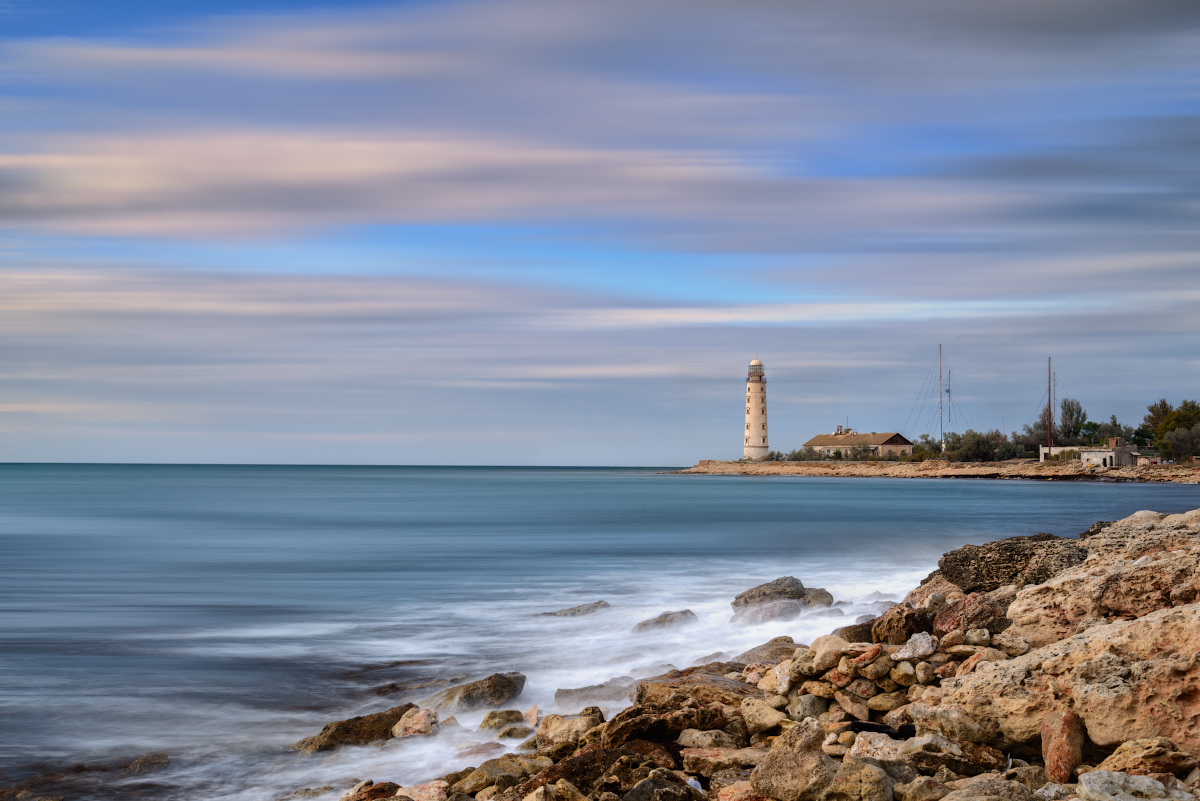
x=1071 y=418
x=1156 y=415
x=1184 y=442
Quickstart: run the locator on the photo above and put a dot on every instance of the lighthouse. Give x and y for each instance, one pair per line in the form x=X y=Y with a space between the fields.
x=756 y=412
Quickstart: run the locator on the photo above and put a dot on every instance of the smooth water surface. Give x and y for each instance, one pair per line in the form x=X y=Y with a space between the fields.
x=220 y=613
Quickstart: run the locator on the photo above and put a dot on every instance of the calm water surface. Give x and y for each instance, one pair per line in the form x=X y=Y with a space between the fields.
x=220 y=613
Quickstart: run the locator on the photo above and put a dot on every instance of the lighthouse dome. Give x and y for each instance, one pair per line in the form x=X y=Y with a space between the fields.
x=756 y=362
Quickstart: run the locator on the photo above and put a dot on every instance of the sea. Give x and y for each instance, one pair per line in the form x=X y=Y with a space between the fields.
x=219 y=613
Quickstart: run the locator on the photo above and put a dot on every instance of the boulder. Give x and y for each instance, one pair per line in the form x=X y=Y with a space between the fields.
x=707 y=684
x=919 y=646
x=667 y=620
x=765 y=613
x=593 y=766
x=499 y=718
x=370 y=791
x=933 y=584
x=898 y=624
x=556 y=731
x=991 y=788
x=360 y=730
x=760 y=716
x=975 y=611
x=431 y=791
x=737 y=791
x=496 y=690
x=659 y=788
x=707 y=761
x=806 y=706
x=947 y=719
x=795 y=768
x=1015 y=560
x=827 y=652
x=151 y=763
x=714 y=738
x=576 y=611
x=771 y=652
x=1116 y=581
x=1149 y=755
x=859 y=781
x=515 y=733
x=1062 y=744
x=1103 y=785
x=922 y=788
x=416 y=723
x=510 y=765
x=787 y=588
x=856 y=632
x=1128 y=680
x=616 y=689
x=647 y=723
x=875 y=745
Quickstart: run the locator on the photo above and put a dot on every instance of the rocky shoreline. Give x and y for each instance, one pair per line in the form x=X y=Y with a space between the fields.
x=1031 y=667
x=1030 y=471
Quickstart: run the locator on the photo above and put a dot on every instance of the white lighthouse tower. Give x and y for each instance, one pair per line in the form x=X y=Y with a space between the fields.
x=756 y=413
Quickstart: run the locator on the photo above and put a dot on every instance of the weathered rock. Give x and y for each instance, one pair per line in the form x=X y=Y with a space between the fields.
x=922 y=788
x=593 y=767
x=496 y=690
x=856 y=632
x=821 y=689
x=978 y=637
x=853 y=705
x=859 y=782
x=615 y=689
x=875 y=746
x=934 y=583
x=1132 y=679
x=827 y=651
x=925 y=673
x=707 y=761
x=515 y=732
x=416 y=723
x=991 y=788
x=1116 y=581
x=1149 y=755
x=667 y=620
x=727 y=778
x=1011 y=644
x=151 y=763
x=714 y=738
x=759 y=716
x=1032 y=776
x=1103 y=785
x=646 y=723
x=658 y=788
x=576 y=611
x=370 y=791
x=359 y=730
x=737 y=791
x=886 y=702
x=772 y=651
x=795 y=769
x=1015 y=560
x=806 y=706
x=556 y=731
x=975 y=611
x=904 y=674
x=919 y=646
x=948 y=719
x=499 y=718
x=565 y=791
x=706 y=684
x=765 y=613
x=931 y=752
x=431 y=791
x=787 y=588
x=898 y=624
x=510 y=765
x=1062 y=744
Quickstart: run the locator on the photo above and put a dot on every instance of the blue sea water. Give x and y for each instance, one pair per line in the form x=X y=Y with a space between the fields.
x=219 y=613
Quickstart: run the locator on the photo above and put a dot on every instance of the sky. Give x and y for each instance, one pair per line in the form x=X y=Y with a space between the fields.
x=553 y=232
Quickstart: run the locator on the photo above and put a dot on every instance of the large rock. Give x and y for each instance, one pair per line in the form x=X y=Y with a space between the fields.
x=1131 y=572
x=898 y=624
x=935 y=582
x=787 y=588
x=795 y=768
x=768 y=612
x=647 y=723
x=772 y=651
x=1148 y=755
x=760 y=716
x=416 y=723
x=707 y=761
x=975 y=611
x=615 y=689
x=1103 y=785
x=667 y=620
x=556 y=731
x=658 y=787
x=860 y=781
x=360 y=730
x=576 y=611
x=992 y=788
x=496 y=690
x=707 y=684
x=1062 y=744
x=1016 y=560
x=1128 y=680
x=509 y=765
x=592 y=767
x=713 y=738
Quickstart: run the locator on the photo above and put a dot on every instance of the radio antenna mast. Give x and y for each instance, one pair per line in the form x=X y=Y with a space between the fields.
x=941 y=427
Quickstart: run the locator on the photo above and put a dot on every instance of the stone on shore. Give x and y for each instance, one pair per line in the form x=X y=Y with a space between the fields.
x=431 y=791
x=787 y=588
x=1062 y=744
x=576 y=611
x=556 y=731
x=1015 y=560
x=975 y=611
x=707 y=684
x=898 y=624
x=496 y=690
x=795 y=768
x=707 y=761
x=1103 y=785
x=1149 y=755
x=772 y=651
x=361 y=730
x=416 y=723
x=667 y=620
x=151 y=763
x=615 y=689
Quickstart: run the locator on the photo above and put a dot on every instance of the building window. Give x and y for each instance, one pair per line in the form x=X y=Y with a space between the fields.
x=764 y=440
x=747 y=426
x=764 y=427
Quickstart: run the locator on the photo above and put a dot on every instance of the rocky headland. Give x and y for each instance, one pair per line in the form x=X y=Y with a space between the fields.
x=1028 y=668
x=1026 y=470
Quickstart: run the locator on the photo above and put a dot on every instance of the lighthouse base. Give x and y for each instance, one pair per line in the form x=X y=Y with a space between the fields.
x=756 y=453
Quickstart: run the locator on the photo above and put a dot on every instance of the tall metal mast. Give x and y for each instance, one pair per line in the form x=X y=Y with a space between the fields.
x=1049 y=406
x=941 y=427
x=949 y=398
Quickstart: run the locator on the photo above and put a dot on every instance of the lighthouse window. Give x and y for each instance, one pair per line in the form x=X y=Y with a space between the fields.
x=764 y=428
x=747 y=426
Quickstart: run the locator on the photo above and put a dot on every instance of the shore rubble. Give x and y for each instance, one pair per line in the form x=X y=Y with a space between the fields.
x=1049 y=471
x=1028 y=668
